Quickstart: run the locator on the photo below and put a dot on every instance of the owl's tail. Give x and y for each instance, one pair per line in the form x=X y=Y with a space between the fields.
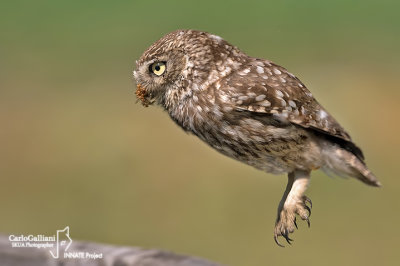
x=345 y=163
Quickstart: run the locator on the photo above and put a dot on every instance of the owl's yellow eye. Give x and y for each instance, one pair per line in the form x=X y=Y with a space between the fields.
x=158 y=68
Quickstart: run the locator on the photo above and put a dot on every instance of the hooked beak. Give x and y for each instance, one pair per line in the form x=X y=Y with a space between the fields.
x=143 y=96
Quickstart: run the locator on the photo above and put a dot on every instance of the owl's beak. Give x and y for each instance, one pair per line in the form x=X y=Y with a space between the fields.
x=143 y=95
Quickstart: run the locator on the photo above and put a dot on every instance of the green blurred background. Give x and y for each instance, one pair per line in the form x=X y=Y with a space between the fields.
x=76 y=150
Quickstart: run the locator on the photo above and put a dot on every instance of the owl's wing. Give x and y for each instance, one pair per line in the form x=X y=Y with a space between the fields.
x=266 y=88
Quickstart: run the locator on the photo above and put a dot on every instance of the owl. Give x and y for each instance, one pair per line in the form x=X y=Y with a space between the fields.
x=251 y=110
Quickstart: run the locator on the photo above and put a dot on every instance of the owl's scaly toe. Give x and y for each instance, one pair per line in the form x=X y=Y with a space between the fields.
x=286 y=222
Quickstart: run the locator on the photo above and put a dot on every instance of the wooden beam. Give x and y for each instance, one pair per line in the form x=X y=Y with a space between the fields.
x=111 y=255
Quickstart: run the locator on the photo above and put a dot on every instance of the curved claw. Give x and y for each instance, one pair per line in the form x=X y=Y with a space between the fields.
x=308 y=222
x=308 y=200
x=295 y=223
x=277 y=242
x=308 y=209
x=287 y=238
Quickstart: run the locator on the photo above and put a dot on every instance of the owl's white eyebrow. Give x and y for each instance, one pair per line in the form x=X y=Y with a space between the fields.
x=151 y=61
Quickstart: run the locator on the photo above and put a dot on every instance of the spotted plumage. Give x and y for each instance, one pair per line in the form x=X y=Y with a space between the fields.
x=249 y=109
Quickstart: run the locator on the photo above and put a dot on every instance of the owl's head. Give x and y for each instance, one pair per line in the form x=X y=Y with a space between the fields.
x=179 y=64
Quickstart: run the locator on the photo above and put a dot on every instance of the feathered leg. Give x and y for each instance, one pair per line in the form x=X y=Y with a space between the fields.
x=293 y=202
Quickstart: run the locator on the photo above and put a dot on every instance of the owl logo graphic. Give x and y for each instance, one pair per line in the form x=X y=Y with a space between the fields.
x=63 y=241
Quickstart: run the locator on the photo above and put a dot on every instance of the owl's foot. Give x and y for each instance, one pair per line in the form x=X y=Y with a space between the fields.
x=286 y=221
x=293 y=203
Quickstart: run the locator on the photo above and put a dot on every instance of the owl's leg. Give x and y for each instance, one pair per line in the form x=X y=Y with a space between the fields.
x=293 y=202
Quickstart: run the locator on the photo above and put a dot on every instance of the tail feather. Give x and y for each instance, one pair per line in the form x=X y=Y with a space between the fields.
x=363 y=173
x=345 y=163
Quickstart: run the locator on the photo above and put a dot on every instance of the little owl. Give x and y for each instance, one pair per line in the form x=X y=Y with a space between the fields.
x=249 y=109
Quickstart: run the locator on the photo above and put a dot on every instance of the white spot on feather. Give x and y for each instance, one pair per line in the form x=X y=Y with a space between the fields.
x=260 y=97
x=277 y=71
x=322 y=114
x=265 y=103
x=279 y=93
x=292 y=103
x=260 y=70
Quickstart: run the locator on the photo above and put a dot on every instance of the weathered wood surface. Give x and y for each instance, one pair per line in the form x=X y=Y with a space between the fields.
x=112 y=255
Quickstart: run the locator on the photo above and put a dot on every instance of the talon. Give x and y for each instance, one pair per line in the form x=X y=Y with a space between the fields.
x=295 y=223
x=308 y=200
x=277 y=242
x=286 y=236
x=308 y=222
x=308 y=209
x=288 y=239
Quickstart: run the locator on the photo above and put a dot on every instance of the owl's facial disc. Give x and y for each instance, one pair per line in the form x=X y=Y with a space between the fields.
x=156 y=73
x=150 y=76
